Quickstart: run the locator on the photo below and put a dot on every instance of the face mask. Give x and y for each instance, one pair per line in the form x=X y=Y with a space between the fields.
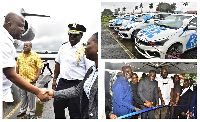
x=17 y=43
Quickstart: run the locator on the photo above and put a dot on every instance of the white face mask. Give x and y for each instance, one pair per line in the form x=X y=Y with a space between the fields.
x=17 y=43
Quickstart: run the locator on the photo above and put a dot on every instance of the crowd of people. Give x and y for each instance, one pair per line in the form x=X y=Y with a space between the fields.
x=164 y=95
x=76 y=63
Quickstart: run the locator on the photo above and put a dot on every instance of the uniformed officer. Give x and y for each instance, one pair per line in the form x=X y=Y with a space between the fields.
x=72 y=66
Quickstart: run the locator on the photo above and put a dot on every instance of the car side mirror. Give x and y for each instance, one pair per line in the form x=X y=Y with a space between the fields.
x=192 y=27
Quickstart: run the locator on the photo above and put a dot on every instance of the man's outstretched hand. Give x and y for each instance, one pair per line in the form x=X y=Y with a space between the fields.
x=50 y=94
x=43 y=97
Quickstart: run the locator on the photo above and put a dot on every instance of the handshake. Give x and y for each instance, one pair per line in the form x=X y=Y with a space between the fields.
x=44 y=95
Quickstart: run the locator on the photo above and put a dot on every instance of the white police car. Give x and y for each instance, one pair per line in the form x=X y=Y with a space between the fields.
x=122 y=21
x=169 y=38
x=130 y=30
x=112 y=21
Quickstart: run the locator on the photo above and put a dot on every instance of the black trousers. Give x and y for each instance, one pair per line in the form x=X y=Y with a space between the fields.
x=177 y=112
x=46 y=65
x=147 y=114
x=72 y=104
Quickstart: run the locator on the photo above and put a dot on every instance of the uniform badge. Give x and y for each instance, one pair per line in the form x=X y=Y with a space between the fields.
x=74 y=25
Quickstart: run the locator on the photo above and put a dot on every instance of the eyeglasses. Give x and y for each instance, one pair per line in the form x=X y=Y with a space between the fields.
x=74 y=35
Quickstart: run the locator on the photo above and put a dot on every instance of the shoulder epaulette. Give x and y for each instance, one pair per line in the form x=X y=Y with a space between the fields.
x=64 y=43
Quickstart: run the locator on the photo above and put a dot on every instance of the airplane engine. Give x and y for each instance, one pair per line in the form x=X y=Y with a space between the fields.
x=29 y=32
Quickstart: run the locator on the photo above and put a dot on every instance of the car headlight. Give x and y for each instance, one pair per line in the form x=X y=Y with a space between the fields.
x=159 y=43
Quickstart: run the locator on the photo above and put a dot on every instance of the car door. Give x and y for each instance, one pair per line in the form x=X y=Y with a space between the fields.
x=191 y=34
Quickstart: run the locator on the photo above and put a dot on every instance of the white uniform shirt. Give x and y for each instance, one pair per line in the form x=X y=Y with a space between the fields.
x=67 y=58
x=8 y=60
x=165 y=87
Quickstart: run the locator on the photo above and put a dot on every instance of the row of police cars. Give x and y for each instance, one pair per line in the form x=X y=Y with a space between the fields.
x=158 y=35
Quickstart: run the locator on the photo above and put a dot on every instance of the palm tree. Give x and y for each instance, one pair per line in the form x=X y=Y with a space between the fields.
x=141 y=6
x=124 y=9
x=118 y=9
x=136 y=7
x=185 y=4
x=151 y=5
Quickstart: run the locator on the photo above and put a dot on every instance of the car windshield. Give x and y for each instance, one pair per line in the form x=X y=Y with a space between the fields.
x=140 y=19
x=160 y=16
x=127 y=18
x=156 y=17
x=173 y=21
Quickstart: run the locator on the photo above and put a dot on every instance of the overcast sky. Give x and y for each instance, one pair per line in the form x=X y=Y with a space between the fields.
x=131 y=5
x=52 y=32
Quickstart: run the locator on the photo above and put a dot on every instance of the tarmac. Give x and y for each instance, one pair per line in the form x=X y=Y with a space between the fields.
x=44 y=110
x=111 y=48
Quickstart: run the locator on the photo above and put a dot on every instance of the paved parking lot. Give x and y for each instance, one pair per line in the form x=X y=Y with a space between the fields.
x=110 y=48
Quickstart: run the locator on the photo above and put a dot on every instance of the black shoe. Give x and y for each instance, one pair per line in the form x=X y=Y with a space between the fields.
x=32 y=117
x=28 y=116
x=41 y=74
x=21 y=114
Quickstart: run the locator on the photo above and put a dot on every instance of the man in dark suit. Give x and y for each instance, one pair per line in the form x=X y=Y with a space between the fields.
x=148 y=93
x=137 y=101
x=185 y=98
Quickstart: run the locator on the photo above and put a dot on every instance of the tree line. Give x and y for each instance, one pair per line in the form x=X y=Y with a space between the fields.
x=162 y=7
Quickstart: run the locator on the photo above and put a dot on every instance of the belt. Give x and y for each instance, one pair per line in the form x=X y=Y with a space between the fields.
x=71 y=81
x=32 y=82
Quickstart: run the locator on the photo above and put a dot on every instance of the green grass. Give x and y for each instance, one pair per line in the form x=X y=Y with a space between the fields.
x=105 y=20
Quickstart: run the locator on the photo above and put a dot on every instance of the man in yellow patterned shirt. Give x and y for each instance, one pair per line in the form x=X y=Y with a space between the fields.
x=29 y=66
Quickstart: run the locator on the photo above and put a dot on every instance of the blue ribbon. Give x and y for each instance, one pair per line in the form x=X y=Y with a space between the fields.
x=144 y=110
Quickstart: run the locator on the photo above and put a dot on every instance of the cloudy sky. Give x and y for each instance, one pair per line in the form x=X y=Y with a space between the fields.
x=52 y=32
x=131 y=5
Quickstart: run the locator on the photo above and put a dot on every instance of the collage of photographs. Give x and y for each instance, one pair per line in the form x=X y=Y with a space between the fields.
x=145 y=66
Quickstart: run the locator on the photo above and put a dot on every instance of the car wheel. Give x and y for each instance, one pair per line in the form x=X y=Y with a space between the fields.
x=174 y=51
x=119 y=38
